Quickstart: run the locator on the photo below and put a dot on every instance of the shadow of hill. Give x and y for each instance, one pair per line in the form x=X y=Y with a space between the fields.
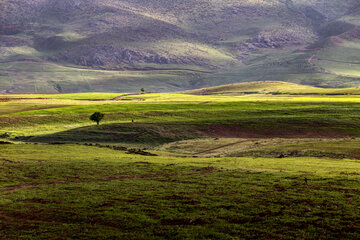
x=153 y=134
x=157 y=133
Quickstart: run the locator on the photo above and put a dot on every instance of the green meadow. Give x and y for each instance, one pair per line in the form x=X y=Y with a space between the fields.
x=258 y=160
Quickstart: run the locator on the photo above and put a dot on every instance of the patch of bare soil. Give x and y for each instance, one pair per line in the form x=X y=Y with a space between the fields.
x=122 y=96
x=126 y=95
x=34 y=215
x=20 y=186
x=185 y=221
x=39 y=200
x=140 y=152
x=223 y=146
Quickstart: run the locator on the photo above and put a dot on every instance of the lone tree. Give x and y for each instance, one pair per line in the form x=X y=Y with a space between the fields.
x=97 y=117
x=143 y=90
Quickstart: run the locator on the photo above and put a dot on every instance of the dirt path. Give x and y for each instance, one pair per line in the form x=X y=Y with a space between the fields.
x=167 y=69
x=223 y=146
x=314 y=57
x=22 y=61
x=130 y=94
x=125 y=95
x=95 y=69
x=337 y=61
x=310 y=59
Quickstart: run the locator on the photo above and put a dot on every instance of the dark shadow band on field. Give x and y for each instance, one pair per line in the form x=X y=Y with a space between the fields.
x=160 y=133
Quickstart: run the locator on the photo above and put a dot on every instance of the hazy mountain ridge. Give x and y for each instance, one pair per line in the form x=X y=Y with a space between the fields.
x=235 y=40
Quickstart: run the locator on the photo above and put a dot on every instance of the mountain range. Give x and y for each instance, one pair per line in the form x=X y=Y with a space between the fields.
x=162 y=45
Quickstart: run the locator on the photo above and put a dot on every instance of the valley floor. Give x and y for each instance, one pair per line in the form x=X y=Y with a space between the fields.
x=213 y=166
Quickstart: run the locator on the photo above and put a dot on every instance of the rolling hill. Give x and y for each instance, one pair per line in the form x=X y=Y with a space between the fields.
x=252 y=88
x=123 y=45
x=270 y=88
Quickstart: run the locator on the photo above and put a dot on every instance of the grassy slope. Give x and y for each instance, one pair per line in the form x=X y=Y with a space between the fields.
x=254 y=115
x=248 y=88
x=208 y=42
x=56 y=191
x=269 y=87
x=169 y=117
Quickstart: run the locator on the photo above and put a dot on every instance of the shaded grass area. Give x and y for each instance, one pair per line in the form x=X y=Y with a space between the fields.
x=71 y=191
x=125 y=134
x=154 y=134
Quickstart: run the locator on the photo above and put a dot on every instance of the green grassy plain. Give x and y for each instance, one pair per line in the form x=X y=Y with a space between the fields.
x=229 y=165
x=72 y=191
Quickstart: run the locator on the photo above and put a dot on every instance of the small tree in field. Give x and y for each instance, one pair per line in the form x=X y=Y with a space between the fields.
x=97 y=117
x=143 y=90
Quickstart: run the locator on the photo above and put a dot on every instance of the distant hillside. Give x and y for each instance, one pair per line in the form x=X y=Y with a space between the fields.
x=251 y=88
x=124 y=45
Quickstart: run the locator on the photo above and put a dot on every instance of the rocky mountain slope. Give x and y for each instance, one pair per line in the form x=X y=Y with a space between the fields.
x=123 y=45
